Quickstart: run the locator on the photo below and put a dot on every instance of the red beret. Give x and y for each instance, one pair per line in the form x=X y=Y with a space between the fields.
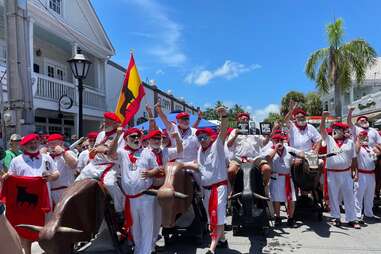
x=182 y=115
x=229 y=130
x=112 y=116
x=154 y=133
x=92 y=135
x=55 y=136
x=208 y=131
x=278 y=131
x=363 y=134
x=241 y=114
x=28 y=138
x=362 y=117
x=278 y=137
x=298 y=111
x=340 y=125
x=133 y=130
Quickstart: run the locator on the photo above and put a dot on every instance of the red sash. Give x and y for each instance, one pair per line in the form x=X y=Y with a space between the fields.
x=128 y=215
x=104 y=173
x=365 y=171
x=287 y=186
x=27 y=200
x=213 y=205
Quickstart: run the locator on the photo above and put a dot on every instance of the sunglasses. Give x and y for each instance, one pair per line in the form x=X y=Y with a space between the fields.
x=202 y=138
x=185 y=119
x=134 y=136
x=156 y=138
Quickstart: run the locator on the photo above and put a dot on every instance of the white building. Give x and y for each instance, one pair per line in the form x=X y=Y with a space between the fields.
x=57 y=28
x=366 y=97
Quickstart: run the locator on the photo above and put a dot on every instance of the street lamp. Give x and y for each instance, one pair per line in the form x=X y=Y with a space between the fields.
x=80 y=66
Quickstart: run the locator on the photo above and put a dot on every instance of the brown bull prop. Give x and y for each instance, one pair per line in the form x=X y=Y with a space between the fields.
x=9 y=240
x=76 y=218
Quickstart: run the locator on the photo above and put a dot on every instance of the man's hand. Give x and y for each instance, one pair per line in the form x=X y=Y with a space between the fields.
x=221 y=111
x=48 y=177
x=277 y=125
x=58 y=150
x=325 y=114
x=199 y=114
x=119 y=130
x=351 y=108
x=149 y=110
x=158 y=106
x=292 y=105
x=278 y=146
x=147 y=174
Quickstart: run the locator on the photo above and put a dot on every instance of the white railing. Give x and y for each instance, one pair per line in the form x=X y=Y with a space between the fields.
x=52 y=89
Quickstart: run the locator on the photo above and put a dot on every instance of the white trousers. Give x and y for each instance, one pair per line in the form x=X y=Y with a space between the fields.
x=156 y=221
x=110 y=182
x=364 y=194
x=221 y=203
x=341 y=184
x=142 y=223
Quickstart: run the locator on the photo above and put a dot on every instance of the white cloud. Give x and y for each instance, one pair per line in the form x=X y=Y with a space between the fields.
x=228 y=70
x=260 y=114
x=165 y=31
x=159 y=72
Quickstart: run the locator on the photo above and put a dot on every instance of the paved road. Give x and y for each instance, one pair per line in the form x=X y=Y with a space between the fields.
x=310 y=237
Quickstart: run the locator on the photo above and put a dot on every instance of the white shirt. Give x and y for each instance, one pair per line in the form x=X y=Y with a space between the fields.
x=282 y=163
x=23 y=165
x=83 y=159
x=132 y=182
x=212 y=163
x=101 y=136
x=246 y=145
x=365 y=159
x=303 y=139
x=373 y=137
x=343 y=160
x=190 y=143
x=66 y=173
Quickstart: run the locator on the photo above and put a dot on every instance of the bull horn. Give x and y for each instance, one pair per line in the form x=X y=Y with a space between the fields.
x=180 y=195
x=68 y=230
x=256 y=195
x=151 y=192
x=30 y=227
x=236 y=195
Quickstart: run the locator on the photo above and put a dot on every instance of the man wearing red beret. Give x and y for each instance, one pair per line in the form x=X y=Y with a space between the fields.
x=88 y=144
x=246 y=147
x=111 y=123
x=340 y=169
x=32 y=163
x=66 y=163
x=374 y=141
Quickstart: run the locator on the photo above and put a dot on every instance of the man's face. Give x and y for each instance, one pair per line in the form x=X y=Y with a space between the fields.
x=91 y=142
x=14 y=144
x=110 y=125
x=363 y=123
x=155 y=142
x=338 y=133
x=33 y=146
x=204 y=140
x=52 y=145
x=134 y=140
x=300 y=120
x=165 y=141
x=183 y=122
x=278 y=141
x=243 y=119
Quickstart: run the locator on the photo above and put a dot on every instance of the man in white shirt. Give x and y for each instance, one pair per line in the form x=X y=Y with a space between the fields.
x=281 y=185
x=32 y=163
x=111 y=123
x=83 y=158
x=340 y=168
x=364 y=193
x=66 y=163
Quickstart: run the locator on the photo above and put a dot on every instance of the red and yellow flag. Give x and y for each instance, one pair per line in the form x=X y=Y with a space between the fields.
x=131 y=94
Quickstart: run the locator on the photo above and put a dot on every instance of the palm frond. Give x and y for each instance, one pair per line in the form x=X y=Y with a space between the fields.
x=322 y=79
x=344 y=74
x=335 y=32
x=314 y=60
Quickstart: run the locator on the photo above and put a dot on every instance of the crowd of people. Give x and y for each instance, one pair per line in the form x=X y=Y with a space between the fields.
x=214 y=157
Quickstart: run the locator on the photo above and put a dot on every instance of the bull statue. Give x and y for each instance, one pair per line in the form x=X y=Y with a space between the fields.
x=77 y=218
x=9 y=239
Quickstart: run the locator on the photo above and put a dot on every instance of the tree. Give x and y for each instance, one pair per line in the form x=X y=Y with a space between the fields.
x=313 y=104
x=334 y=66
x=295 y=96
x=272 y=117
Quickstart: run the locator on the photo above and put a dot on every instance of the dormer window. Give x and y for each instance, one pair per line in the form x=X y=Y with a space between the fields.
x=56 y=5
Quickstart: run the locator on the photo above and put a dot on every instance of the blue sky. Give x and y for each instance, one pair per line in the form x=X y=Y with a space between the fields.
x=245 y=52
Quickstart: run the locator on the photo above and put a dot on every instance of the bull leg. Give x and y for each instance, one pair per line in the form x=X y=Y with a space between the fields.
x=112 y=227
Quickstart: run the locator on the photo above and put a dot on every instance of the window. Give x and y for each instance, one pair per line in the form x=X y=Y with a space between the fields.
x=51 y=71
x=36 y=68
x=60 y=74
x=166 y=104
x=56 y=5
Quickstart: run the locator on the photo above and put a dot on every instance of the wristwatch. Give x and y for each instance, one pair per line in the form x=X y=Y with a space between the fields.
x=2 y=208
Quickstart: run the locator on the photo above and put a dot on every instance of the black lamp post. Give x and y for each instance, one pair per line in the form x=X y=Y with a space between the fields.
x=80 y=66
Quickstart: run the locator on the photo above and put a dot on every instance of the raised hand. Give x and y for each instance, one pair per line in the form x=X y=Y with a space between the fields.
x=221 y=111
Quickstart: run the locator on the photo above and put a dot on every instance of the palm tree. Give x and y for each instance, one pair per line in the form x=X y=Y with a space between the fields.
x=339 y=62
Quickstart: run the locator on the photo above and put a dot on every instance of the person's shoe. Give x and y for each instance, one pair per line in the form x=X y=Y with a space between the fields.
x=223 y=244
x=209 y=252
x=361 y=222
x=374 y=218
x=336 y=222
x=277 y=221
x=228 y=227
x=354 y=224
x=291 y=222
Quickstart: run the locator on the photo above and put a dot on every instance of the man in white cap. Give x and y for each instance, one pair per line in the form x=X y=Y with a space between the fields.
x=12 y=152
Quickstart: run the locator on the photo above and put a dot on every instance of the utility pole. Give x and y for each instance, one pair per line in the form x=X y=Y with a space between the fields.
x=18 y=115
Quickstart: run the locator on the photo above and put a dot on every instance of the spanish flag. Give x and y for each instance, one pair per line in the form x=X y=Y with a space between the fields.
x=131 y=94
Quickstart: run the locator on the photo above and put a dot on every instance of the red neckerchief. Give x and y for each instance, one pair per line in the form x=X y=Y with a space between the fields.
x=340 y=141
x=131 y=154
x=159 y=156
x=35 y=155
x=182 y=131
x=302 y=128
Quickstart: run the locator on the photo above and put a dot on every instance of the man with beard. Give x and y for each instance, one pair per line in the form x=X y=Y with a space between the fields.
x=246 y=147
x=32 y=163
x=139 y=208
x=83 y=158
x=364 y=193
x=66 y=163
x=340 y=169
x=154 y=158
x=281 y=185
x=374 y=141
x=111 y=123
